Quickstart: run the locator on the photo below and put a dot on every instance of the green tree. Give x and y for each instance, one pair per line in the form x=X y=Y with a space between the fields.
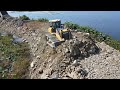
x=24 y=17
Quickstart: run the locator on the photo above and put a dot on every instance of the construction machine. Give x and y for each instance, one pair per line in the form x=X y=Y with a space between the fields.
x=57 y=33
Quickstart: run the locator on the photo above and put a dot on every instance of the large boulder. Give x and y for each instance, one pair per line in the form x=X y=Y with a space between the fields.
x=79 y=48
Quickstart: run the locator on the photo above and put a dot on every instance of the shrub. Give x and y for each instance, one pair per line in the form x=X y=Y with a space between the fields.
x=71 y=25
x=43 y=20
x=24 y=17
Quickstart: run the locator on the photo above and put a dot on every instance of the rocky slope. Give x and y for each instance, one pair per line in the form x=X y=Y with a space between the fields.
x=79 y=58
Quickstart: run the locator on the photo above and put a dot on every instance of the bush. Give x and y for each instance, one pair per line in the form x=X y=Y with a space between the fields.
x=43 y=20
x=71 y=25
x=24 y=17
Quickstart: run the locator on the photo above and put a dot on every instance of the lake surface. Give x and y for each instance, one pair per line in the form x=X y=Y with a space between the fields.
x=104 y=21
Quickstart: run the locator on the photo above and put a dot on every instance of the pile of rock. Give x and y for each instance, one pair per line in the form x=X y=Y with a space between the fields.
x=74 y=51
x=79 y=49
x=66 y=64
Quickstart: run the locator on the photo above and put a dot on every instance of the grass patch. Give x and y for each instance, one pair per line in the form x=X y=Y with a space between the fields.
x=14 y=58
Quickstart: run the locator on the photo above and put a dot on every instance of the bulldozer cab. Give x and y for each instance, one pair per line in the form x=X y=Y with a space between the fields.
x=55 y=23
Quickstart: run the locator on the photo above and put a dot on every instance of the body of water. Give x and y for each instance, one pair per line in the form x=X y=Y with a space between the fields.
x=104 y=21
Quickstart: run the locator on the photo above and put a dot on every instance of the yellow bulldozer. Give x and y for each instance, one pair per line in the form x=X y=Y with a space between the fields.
x=57 y=33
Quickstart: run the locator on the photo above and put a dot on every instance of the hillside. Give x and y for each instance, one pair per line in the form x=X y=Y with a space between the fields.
x=79 y=58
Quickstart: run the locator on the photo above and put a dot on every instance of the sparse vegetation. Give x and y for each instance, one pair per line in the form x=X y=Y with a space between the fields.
x=14 y=58
x=24 y=17
x=71 y=25
x=98 y=36
x=43 y=20
x=40 y=20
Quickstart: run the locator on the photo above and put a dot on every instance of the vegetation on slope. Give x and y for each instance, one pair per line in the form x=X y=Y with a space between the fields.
x=98 y=36
x=43 y=20
x=24 y=17
x=14 y=58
